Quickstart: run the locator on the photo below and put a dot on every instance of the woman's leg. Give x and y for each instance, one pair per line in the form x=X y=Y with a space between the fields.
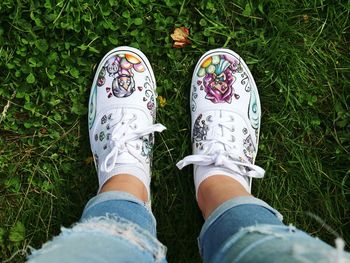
x=226 y=115
x=122 y=196
x=117 y=224
x=242 y=228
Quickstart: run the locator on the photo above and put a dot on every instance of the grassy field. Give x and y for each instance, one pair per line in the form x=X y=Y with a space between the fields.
x=298 y=52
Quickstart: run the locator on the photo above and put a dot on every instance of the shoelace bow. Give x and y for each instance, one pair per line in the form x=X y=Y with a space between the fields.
x=228 y=159
x=123 y=139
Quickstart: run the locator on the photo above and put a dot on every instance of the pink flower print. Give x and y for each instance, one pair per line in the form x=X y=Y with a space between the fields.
x=219 y=87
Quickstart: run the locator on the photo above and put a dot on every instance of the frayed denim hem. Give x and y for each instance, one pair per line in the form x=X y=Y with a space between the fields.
x=272 y=243
x=116 y=203
x=110 y=226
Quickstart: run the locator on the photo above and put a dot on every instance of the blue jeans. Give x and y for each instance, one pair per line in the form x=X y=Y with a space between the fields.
x=117 y=227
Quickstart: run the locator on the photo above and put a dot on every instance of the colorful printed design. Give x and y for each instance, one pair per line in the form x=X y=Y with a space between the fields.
x=200 y=130
x=249 y=148
x=149 y=97
x=245 y=82
x=150 y=105
x=92 y=107
x=253 y=112
x=217 y=73
x=147 y=146
x=120 y=68
x=245 y=131
x=123 y=86
x=112 y=67
x=101 y=77
x=103 y=119
x=109 y=92
x=102 y=136
x=194 y=97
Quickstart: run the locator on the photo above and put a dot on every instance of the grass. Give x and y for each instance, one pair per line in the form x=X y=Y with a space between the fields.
x=298 y=52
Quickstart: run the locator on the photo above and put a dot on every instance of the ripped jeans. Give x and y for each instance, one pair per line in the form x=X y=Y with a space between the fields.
x=117 y=227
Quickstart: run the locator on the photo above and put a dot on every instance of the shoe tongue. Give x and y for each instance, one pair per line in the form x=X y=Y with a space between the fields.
x=218 y=147
x=126 y=157
x=219 y=131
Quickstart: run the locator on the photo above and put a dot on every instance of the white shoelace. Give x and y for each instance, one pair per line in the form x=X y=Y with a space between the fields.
x=228 y=159
x=123 y=139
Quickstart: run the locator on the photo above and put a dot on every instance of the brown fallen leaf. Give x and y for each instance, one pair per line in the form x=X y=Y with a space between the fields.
x=180 y=36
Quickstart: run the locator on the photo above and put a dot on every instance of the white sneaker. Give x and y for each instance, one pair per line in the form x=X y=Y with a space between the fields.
x=122 y=111
x=226 y=115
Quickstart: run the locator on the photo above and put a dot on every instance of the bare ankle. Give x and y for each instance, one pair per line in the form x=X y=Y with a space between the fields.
x=216 y=190
x=126 y=183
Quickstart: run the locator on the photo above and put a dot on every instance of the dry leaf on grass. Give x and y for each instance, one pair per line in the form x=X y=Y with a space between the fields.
x=180 y=36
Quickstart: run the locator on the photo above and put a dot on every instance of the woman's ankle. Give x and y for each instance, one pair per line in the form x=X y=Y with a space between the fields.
x=216 y=190
x=126 y=183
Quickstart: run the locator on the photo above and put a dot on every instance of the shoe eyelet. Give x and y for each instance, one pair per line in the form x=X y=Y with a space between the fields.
x=233 y=139
x=233 y=129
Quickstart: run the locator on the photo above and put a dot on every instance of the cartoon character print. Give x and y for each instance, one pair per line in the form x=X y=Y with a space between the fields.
x=121 y=68
x=249 y=148
x=200 y=130
x=123 y=86
x=112 y=67
x=217 y=73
